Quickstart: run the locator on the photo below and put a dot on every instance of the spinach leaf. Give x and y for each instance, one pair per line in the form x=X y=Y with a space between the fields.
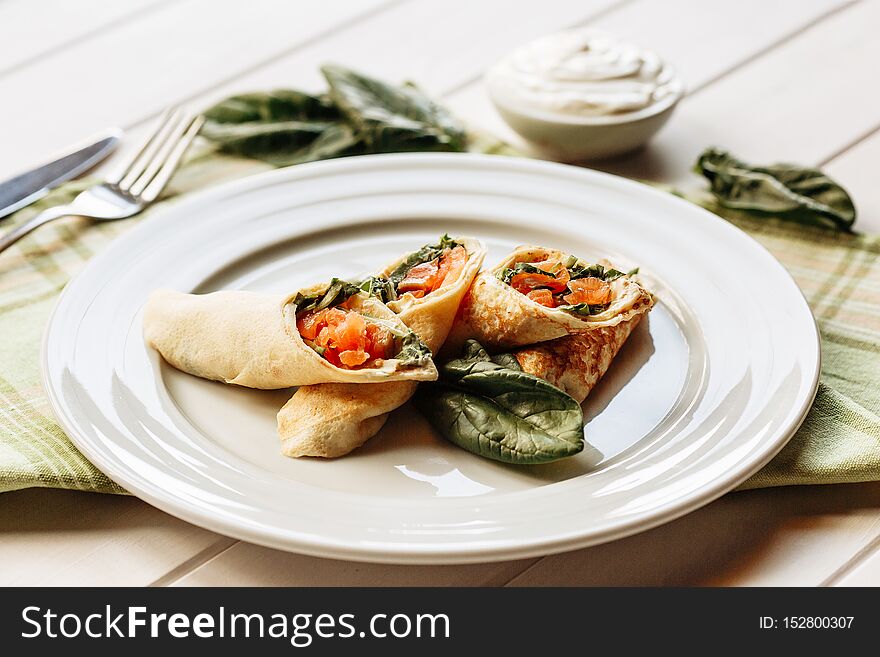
x=506 y=360
x=358 y=115
x=507 y=274
x=280 y=127
x=491 y=408
x=427 y=253
x=585 y=309
x=576 y=269
x=379 y=287
x=390 y=118
x=787 y=191
x=581 y=270
x=271 y=107
x=413 y=352
x=337 y=292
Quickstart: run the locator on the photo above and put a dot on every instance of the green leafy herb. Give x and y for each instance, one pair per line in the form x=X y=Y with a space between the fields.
x=379 y=287
x=507 y=274
x=581 y=270
x=279 y=127
x=273 y=106
x=786 y=191
x=427 y=253
x=585 y=309
x=358 y=115
x=413 y=352
x=490 y=407
x=390 y=118
x=336 y=293
x=576 y=269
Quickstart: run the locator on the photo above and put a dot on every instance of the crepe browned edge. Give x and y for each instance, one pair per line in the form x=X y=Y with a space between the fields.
x=250 y=339
x=333 y=419
x=575 y=363
x=500 y=318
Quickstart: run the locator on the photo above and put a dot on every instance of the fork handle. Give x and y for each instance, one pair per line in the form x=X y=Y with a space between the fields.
x=47 y=215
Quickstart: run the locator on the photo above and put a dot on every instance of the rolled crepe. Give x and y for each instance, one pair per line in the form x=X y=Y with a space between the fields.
x=251 y=339
x=575 y=363
x=333 y=419
x=500 y=317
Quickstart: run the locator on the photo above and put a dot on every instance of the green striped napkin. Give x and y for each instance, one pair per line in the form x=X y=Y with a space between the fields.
x=839 y=274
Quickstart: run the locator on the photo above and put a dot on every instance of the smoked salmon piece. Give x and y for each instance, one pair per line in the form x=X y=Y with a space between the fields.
x=544 y=297
x=430 y=276
x=344 y=337
x=525 y=282
x=588 y=290
x=422 y=277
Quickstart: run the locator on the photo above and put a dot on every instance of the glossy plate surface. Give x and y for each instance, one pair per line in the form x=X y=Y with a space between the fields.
x=701 y=396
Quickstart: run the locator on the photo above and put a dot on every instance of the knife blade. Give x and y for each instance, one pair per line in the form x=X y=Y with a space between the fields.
x=30 y=186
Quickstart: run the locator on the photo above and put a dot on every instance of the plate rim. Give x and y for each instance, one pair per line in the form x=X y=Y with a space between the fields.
x=473 y=551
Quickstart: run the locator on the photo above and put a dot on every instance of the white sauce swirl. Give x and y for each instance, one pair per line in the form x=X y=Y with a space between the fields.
x=583 y=73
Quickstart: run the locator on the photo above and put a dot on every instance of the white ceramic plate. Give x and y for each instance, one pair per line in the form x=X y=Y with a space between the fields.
x=702 y=395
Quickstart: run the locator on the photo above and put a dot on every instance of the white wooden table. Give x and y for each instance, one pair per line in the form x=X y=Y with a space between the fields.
x=786 y=79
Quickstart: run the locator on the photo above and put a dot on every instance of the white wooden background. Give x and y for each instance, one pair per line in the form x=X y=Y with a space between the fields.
x=777 y=79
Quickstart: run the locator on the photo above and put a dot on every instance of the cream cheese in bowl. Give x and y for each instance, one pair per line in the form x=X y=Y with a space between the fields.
x=587 y=78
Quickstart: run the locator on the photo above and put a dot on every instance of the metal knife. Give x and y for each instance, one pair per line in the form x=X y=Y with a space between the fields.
x=30 y=186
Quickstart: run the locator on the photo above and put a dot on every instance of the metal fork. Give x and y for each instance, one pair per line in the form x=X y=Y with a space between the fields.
x=137 y=185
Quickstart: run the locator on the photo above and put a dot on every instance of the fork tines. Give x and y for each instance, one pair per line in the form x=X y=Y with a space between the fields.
x=149 y=170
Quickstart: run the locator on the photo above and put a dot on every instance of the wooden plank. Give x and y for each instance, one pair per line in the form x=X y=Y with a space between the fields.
x=353 y=41
x=61 y=23
x=865 y=572
x=250 y=565
x=706 y=39
x=428 y=62
x=68 y=538
x=712 y=40
x=801 y=102
x=437 y=46
x=420 y=55
x=856 y=169
x=822 y=541
x=795 y=536
x=136 y=69
x=260 y=574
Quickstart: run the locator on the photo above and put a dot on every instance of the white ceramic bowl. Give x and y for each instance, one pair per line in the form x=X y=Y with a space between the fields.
x=575 y=138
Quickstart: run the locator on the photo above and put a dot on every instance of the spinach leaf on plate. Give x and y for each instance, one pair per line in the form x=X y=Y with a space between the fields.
x=787 y=191
x=490 y=407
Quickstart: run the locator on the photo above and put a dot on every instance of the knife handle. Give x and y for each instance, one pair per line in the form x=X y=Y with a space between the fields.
x=44 y=217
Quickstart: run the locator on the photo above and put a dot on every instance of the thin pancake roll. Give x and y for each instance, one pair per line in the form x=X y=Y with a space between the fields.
x=575 y=363
x=327 y=333
x=424 y=288
x=538 y=294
